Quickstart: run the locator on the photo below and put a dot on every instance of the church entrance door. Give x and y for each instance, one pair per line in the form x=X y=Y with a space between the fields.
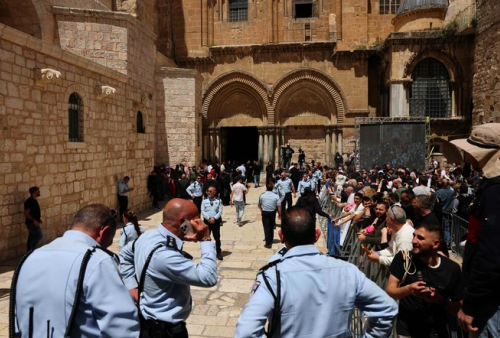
x=241 y=143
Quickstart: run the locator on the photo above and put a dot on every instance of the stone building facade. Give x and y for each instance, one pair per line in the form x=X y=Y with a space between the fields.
x=92 y=90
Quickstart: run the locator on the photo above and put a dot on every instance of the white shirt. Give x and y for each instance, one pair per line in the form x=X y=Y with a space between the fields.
x=238 y=191
x=242 y=169
x=400 y=240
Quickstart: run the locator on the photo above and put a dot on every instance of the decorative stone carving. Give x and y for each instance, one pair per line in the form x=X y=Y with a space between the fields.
x=104 y=91
x=47 y=75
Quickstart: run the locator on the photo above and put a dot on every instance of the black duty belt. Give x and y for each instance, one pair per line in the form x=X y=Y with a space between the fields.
x=158 y=325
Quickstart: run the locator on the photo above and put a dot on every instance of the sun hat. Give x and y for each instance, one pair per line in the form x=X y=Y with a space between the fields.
x=484 y=146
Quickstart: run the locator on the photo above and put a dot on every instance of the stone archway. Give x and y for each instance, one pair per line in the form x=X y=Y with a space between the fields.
x=308 y=106
x=235 y=100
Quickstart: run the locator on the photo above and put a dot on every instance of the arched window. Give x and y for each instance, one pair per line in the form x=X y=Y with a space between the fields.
x=75 y=118
x=140 y=124
x=430 y=93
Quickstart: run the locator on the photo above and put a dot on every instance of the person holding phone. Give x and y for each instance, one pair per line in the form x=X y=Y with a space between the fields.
x=428 y=285
x=159 y=274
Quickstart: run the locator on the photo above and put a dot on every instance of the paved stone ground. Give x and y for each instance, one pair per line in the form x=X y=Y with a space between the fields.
x=216 y=310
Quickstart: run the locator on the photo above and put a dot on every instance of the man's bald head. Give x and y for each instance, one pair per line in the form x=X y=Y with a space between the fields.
x=176 y=211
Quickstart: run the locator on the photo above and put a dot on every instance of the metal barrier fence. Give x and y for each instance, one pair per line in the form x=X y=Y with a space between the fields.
x=352 y=252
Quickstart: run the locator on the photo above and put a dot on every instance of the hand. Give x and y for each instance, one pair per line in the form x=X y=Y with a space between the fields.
x=361 y=236
x=433 y=297
x=37 y=223
x=384 y=231
x=279 y=216
x=373 y=257
x=200 y=231
x=419 y=289
x=465 y=322
x=135 y=294
x=211 y=220
x=192 y=197
x=231 y=203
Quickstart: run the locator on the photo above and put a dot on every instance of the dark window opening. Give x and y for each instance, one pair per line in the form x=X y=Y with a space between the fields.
x=303 y=10
x=238 y=10
x=141 y=129
x=75 y=118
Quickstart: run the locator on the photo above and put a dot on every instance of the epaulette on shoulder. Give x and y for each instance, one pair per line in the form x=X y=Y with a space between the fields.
x=110 y=253
x=270 y=265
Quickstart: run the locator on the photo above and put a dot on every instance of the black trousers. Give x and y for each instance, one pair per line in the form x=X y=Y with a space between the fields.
x=123 y=202
x=269 y=222
x=215 y=231
x=286 y=200
x=153 y=329
x=197 y=201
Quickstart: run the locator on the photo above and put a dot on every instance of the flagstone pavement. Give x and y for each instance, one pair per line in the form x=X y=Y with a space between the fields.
x=215 y=310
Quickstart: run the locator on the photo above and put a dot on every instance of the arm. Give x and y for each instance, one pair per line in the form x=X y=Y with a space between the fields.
x=376 y=305
x=127 y=267
x=318 y=210
x=256 y=312
x=219 y=212
x=28 y=216
x=183 y=271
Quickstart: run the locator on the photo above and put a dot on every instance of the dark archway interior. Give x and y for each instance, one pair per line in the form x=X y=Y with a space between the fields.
x=242 y=143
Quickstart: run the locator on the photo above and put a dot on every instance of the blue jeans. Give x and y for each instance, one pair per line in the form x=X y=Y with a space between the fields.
x=492 y=328
x=34 y=237
x=240 y=209
x=256 y=180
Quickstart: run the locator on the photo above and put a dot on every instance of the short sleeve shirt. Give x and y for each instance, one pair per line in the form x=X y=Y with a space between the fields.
x=418 y=318
x=238 y=191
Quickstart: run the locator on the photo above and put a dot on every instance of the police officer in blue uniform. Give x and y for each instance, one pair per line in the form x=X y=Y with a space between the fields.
x=286 y=185
x=195 y=190
x=303 y=293
x=49 y=300
x=277 y=189
x=159 y=274
x=305 y=183
x=211 y=212
x=269 y=204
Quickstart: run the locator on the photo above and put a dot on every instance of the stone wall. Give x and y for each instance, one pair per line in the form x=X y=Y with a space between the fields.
x=35 y=150
x=179 y=116
x=486 y=94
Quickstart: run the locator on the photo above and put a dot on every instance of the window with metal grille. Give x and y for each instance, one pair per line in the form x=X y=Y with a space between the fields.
x=389 y=6
x=430 y=91
x=238 y=10
x=75 y=118
x=141 y=129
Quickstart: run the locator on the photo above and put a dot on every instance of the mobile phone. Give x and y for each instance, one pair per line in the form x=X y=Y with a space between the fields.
x=187 y=227
x=368 y=251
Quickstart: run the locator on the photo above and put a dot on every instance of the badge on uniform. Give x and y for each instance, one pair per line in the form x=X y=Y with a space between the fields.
x=254 y=288
x=171 y=242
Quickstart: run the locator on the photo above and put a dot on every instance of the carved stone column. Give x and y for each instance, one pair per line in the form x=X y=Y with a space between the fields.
x=217 y=146
x=265 y=133
x=211 y=146
x=261 y=145
x=271 y=145
x=339 y=142
x=328 y=152
x=334 y=144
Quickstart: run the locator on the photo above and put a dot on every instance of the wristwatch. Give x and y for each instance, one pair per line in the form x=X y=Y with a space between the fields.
x=208 y=239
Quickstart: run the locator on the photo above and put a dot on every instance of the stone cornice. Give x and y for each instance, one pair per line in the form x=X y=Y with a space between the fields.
x=22 y=39
x=93 y=13
x=179 y=72
x=248 y=50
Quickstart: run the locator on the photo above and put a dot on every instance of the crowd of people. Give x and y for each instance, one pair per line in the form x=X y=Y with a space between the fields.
x=399 y=215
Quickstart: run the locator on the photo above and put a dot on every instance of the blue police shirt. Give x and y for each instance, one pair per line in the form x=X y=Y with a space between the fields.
x=269 y=201
x=47 y=282
x=286 y=185
x=318 y=296
x=195 y=189
x=302 y=185
x=278 y=190
x=167 y=295
x=128 y=234
x=211 y=207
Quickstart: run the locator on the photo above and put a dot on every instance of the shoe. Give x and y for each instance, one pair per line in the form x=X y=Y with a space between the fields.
x=240 y=224
x=219 y=257
x=268 y=246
